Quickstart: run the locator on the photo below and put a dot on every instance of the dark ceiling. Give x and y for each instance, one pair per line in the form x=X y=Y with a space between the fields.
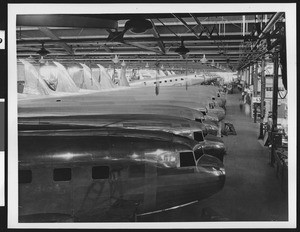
x=226 y=39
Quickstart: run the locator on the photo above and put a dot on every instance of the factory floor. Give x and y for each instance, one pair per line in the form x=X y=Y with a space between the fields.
x=252 y=191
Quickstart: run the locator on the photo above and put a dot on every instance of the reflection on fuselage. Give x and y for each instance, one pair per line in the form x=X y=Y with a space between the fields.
x=84 y=175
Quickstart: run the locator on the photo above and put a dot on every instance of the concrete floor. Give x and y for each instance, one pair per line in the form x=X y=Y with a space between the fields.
x=251 y=192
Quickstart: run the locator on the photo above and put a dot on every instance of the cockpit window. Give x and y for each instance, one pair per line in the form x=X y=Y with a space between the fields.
x=187 y=159
x=198 y=136
x=62 y=174
x=25 y=176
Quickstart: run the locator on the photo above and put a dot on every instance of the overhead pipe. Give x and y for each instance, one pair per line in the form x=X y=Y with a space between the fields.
x=266 y=29
x=274 y=44
x=244 y=25
x=101 y=39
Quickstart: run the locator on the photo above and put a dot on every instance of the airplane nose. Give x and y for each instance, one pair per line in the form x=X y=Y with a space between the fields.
x=214 y=167
x=208 y=161
x=212 y=164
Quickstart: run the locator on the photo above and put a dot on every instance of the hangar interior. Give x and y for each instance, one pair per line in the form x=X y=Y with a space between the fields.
x=152 y=117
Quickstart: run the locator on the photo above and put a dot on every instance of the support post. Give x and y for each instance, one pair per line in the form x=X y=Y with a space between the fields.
x=251 y=74
x=262 y=98
x=244 y=25
x=255 y=111
x=255 y=80
x=247 y=75
x=274 y=108
x=186 y=68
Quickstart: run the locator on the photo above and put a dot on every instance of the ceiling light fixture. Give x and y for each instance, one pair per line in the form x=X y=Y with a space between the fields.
x=182 y=50
x=42 y=61
x=116 y=59
x=43 y=52
x=203 y=60
x=123 y=64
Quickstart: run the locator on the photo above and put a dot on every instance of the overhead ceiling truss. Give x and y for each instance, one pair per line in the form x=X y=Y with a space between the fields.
x=83 y=37
x=51 y=35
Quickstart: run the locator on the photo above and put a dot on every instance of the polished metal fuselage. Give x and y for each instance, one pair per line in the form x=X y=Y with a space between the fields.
x=147 y=171
x=175 y=125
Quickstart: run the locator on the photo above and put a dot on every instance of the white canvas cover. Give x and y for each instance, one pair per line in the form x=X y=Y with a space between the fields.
x=34 y=84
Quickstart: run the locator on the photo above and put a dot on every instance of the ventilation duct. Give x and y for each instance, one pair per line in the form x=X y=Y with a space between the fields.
x=138 y=25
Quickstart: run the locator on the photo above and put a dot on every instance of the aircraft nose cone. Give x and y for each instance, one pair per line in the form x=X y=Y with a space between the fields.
x=211 y=163
x=214 y=167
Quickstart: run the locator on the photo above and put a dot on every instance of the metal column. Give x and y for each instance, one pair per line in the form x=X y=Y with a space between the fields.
x=248 y=75
x=186 y=67
x=251 y=74
x=255 y=79
x=274 y=108
x=254 y=82
x=262 y=98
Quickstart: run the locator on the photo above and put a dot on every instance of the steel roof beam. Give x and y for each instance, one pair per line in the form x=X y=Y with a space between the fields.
x=51 y=35
x=139 y=39
x=143 y=47
x=107 y=49
x=201 y=26
x=159 y=41
x=187 y=26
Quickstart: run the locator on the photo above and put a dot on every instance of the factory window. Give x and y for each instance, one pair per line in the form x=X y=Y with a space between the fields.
x=198 y=136
x=62 y=174
x=25 y=176
x=137 y=170
x=187 y=159
x=100 y=172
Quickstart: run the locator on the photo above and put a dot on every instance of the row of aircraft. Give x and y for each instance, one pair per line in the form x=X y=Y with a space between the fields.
x=122 y=154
